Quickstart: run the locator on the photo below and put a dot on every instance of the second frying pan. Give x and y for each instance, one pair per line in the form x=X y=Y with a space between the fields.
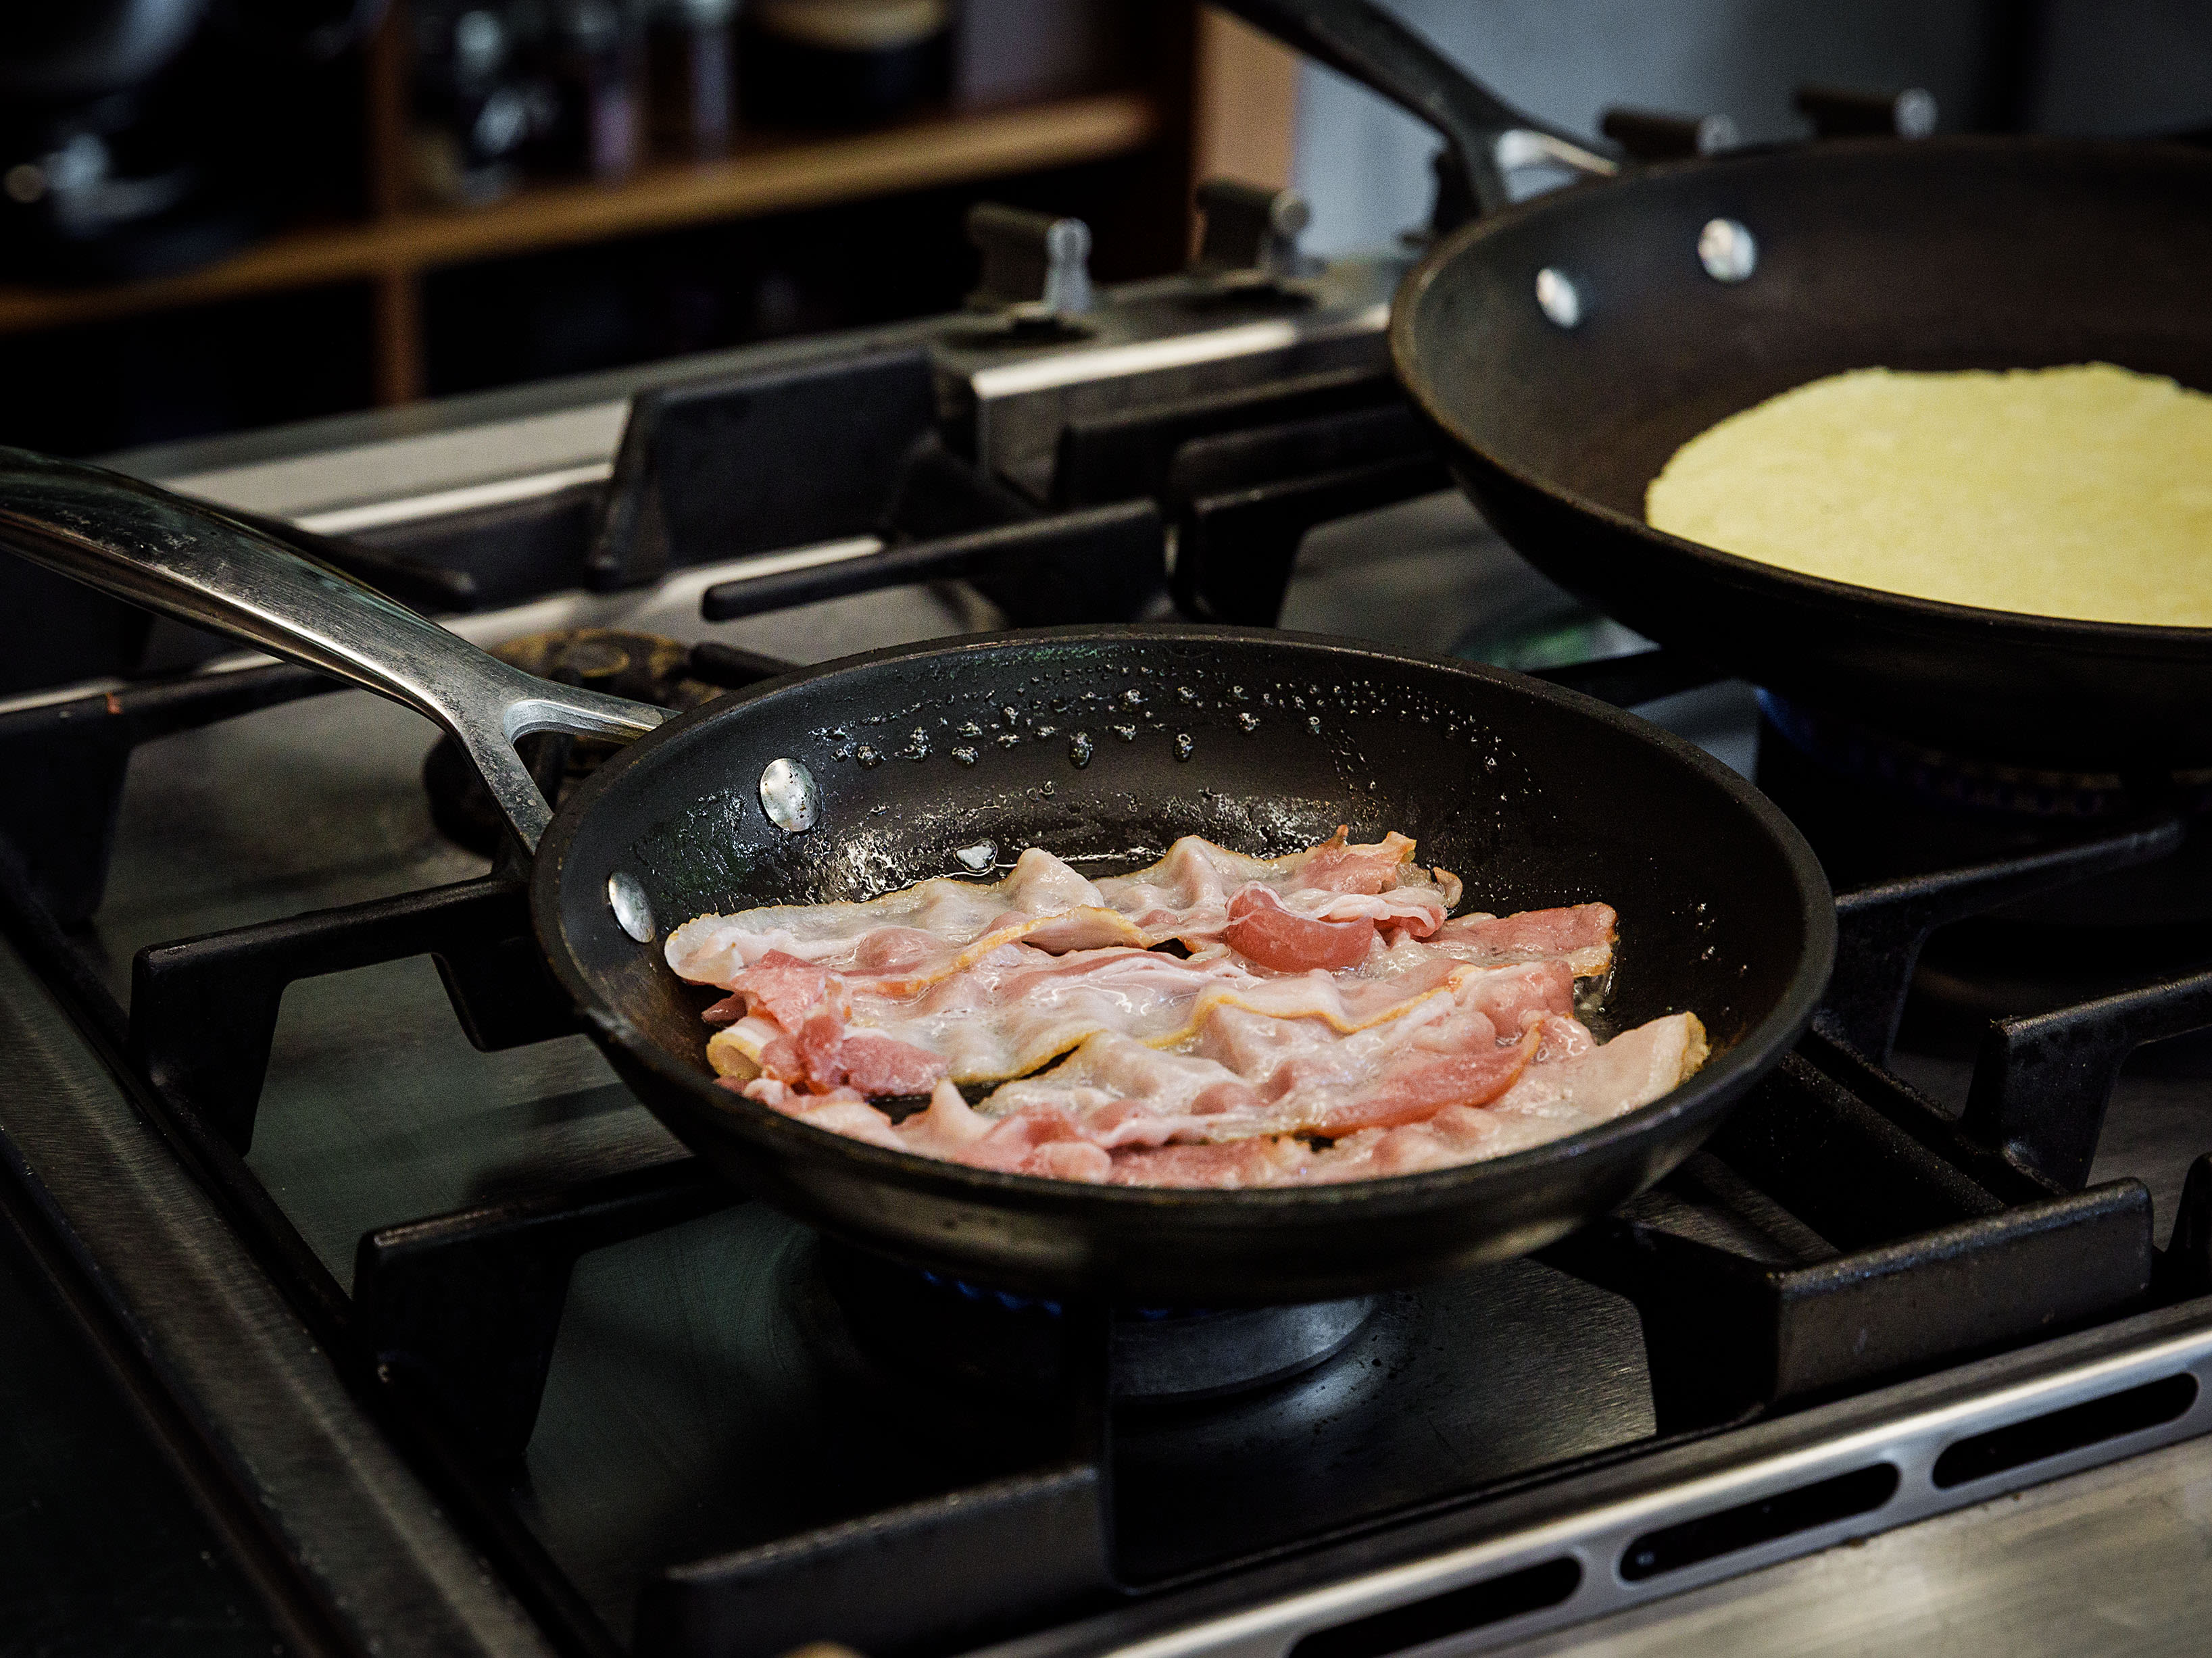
x=1100 y=745
x=1967 y=252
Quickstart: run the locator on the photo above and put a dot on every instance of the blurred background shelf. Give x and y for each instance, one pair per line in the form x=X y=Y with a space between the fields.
x=765 y=175
x=352 y=282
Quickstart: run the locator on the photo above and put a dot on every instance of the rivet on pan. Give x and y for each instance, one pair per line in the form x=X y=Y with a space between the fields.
x=1557 y=299
x=633 y=915
x=788 y=796
x=1728 y=251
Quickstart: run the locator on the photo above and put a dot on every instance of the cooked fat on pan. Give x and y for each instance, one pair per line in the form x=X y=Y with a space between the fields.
x=1324 y=1021
x=2082 y=492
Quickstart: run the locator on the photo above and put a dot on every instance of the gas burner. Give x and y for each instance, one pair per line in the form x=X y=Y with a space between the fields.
x=1877 y=808
x=643 y=667
x=1929 y=778
x=1989 y=968
x=954 y=1332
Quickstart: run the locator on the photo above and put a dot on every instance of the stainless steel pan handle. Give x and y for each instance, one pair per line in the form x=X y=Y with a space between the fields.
x=159 y=551
x=1359 y=39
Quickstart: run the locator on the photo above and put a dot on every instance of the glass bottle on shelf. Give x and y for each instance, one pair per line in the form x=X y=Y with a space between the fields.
x=691 y=76
x=594 y=68
x=843 y=63
x=472 y=115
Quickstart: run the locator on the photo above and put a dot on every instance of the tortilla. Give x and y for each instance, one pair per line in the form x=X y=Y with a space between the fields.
x=2082 y=492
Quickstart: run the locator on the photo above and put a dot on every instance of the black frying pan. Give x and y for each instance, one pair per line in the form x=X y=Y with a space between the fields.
x=1536 y=796
x=1945 y=253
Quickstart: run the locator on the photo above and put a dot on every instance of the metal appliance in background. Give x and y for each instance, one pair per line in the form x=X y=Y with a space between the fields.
x=461 y=1351
x=111 y=165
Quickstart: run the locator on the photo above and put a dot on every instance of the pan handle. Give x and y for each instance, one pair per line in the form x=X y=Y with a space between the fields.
x=1488 y=135
x=153 y=549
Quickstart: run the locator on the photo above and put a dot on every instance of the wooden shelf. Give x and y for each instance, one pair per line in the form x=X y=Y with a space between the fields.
x=766 y=176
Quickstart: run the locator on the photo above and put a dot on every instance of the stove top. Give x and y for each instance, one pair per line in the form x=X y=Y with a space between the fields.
x=456 y=1350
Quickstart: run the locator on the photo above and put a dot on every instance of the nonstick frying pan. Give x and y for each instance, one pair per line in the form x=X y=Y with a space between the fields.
x=1100 y=745
x=1955 y=252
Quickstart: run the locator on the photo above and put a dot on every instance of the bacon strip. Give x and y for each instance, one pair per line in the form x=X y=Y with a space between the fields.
x=1019 y=1007
x=1243 y=1073
x=1581 y=935
x=1246 y=1074
x=934 y=928
x=1565 y=1084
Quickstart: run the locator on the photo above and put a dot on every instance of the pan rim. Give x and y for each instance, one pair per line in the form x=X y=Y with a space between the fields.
x=2024 y=629
x=1725 y=1077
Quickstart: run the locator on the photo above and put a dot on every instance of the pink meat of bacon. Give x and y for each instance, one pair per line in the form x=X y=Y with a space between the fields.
x=1581 y=935
x=937 y=927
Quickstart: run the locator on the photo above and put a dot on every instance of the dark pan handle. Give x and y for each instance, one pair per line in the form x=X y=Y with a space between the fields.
x=1362 y=40
x=151 y=548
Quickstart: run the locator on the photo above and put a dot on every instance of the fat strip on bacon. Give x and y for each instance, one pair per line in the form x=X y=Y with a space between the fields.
x=936 y=927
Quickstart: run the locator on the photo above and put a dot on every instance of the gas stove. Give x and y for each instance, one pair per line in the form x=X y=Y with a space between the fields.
x=437 y=1342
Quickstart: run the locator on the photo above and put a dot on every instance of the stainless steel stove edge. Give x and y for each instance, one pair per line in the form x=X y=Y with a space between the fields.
x=368 y=1545
x=1594 y=1521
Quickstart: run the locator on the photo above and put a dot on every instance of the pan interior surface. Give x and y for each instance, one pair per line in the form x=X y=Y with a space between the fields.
x=1103 y=747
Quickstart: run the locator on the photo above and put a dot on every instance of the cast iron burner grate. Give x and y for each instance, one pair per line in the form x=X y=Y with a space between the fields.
x=1876 y=808
x=1841 y=1231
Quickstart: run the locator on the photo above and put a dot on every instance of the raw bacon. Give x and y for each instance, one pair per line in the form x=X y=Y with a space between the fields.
x=1243 y=1073
x=918 y=932
x=1260 y=930
x=1325 y=1023
x=1581 y=935
x=1569 y=1085
x=827 y=1056
x=1019 y=1007
x=936 y=927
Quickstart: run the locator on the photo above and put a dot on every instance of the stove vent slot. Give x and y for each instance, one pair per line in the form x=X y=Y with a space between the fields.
x=1455 y=1611
x=1709 y=1536
x=2150 y=1405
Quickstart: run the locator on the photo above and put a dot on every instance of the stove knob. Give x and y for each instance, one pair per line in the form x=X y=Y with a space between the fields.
x=1251 y=232
x=1650 y=135
x=1036 y=266
x=1849 y=112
